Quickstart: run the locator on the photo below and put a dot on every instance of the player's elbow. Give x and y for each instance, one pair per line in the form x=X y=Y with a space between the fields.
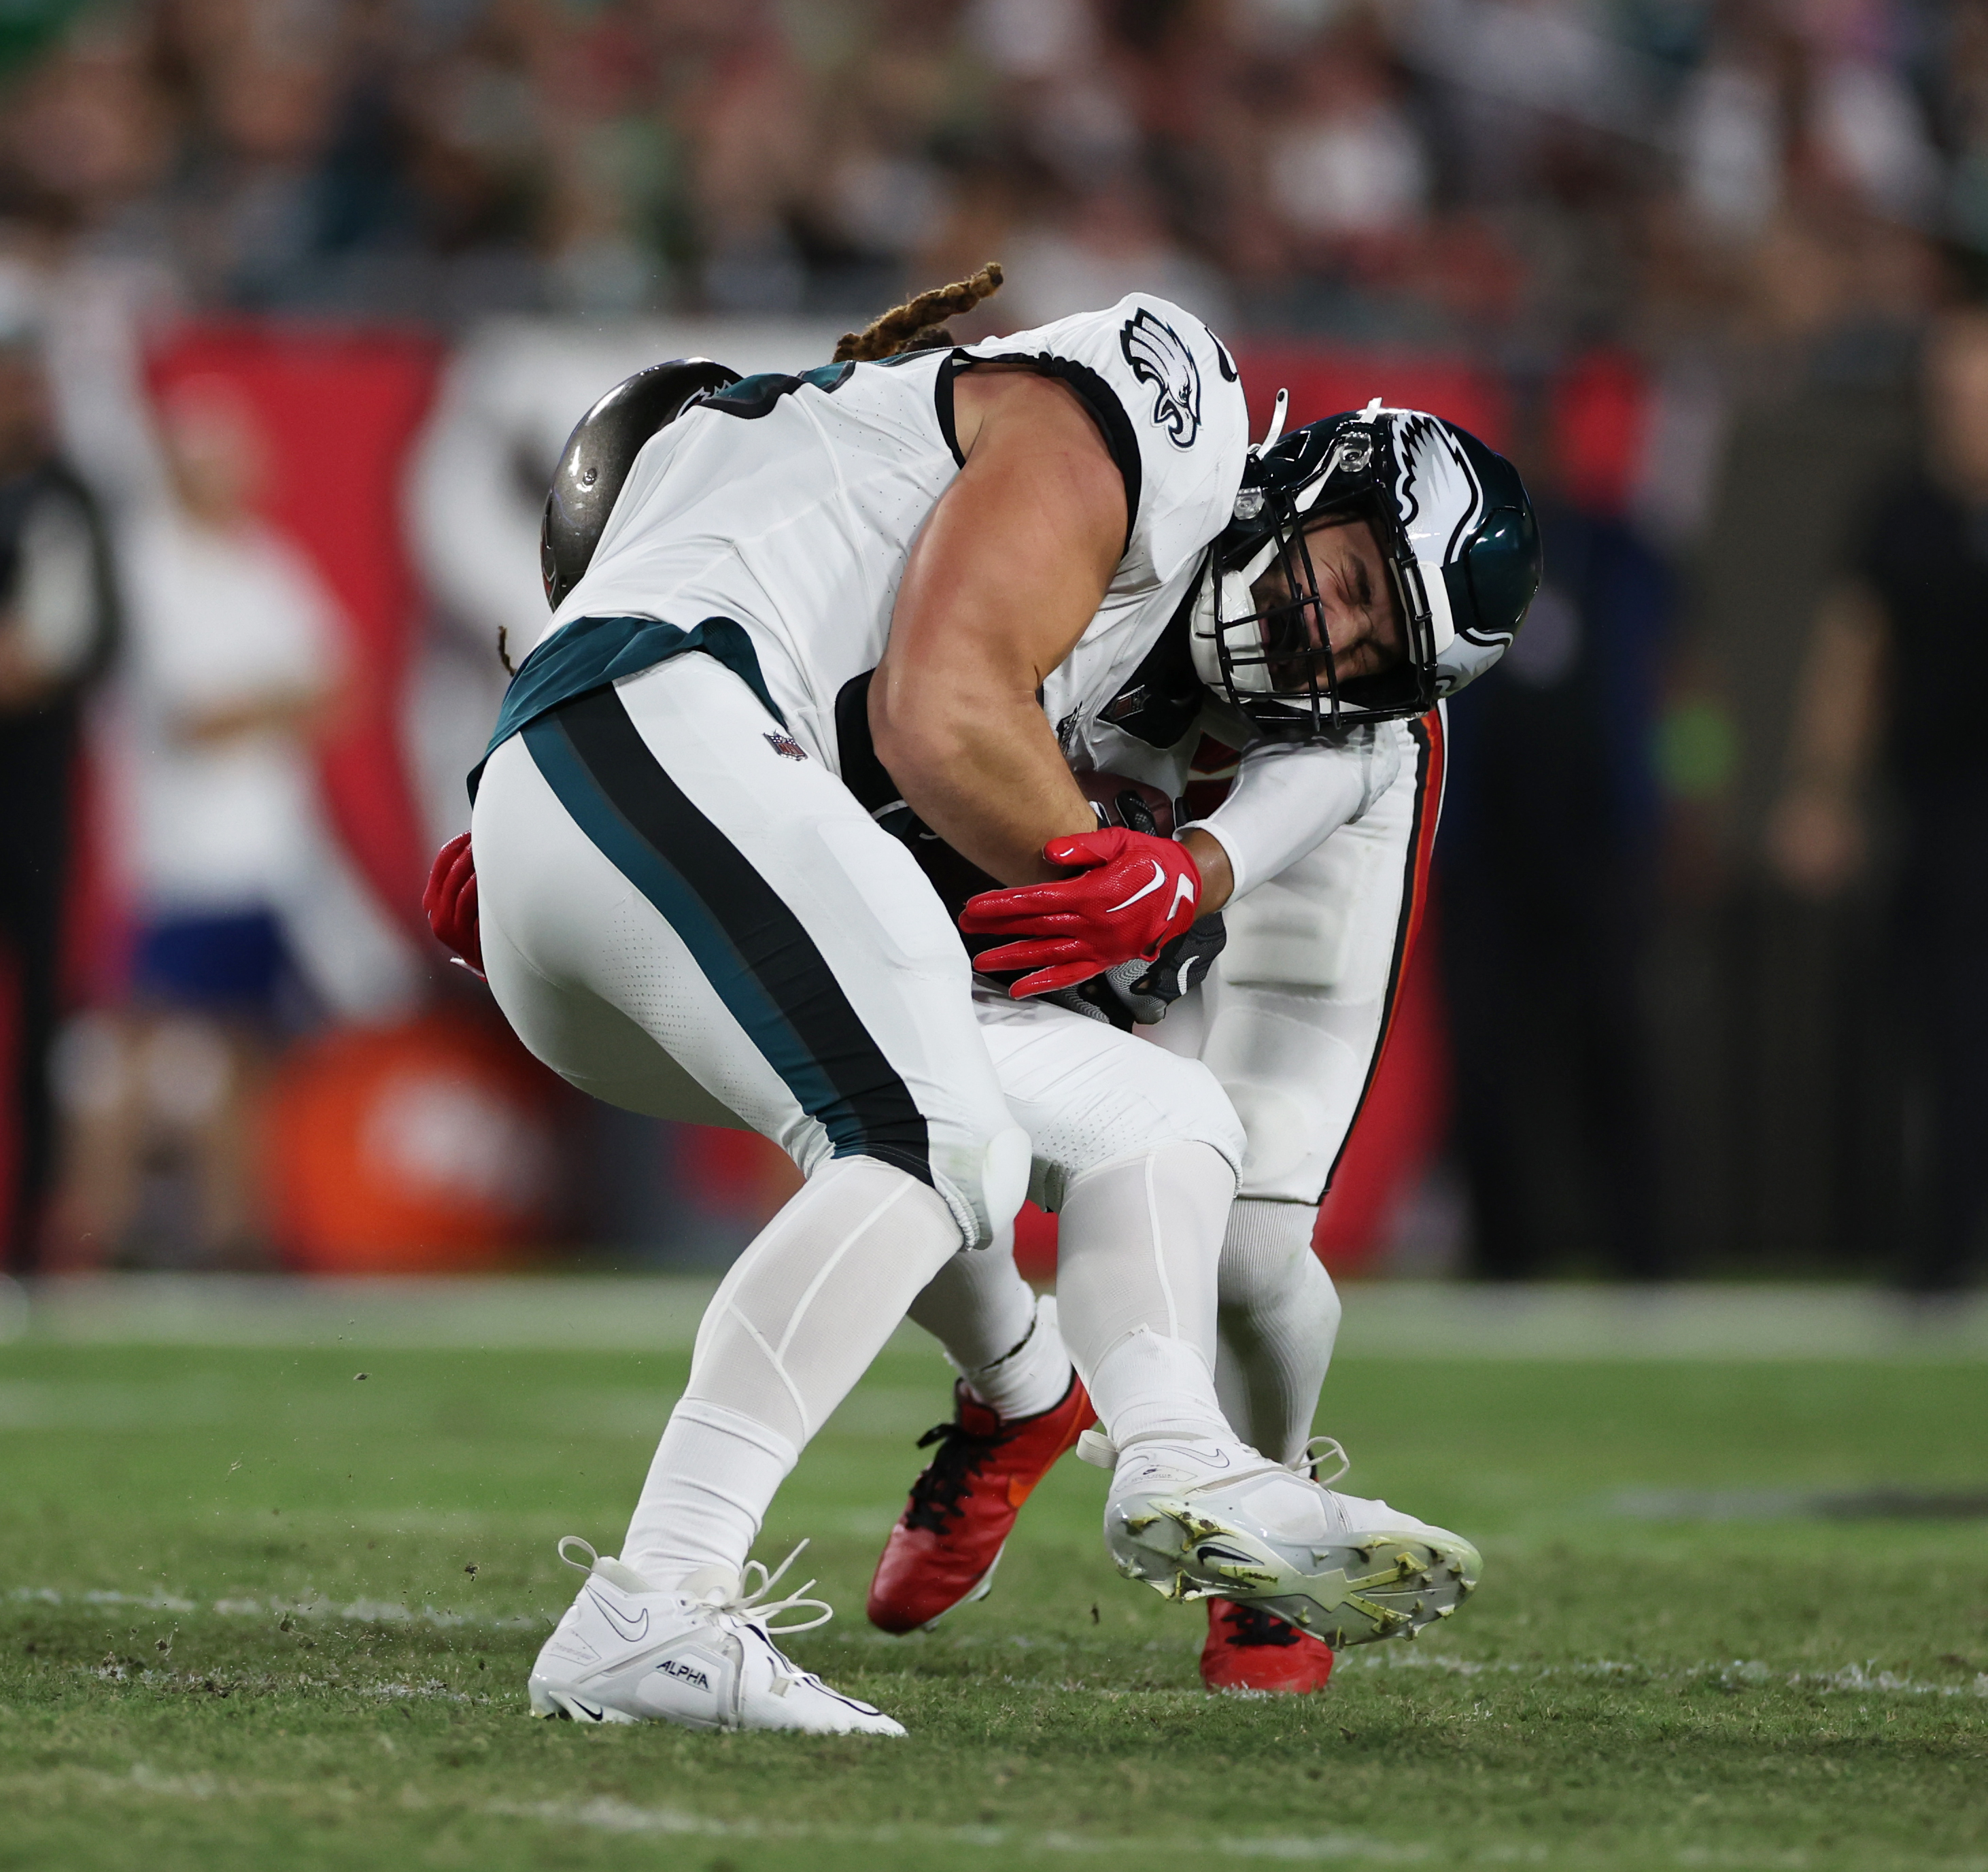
x=921 y=730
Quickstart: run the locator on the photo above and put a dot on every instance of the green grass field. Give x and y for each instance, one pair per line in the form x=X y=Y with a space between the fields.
x=258 y=1612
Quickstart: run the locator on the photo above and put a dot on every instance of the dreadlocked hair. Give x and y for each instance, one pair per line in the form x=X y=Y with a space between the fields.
x=919 y=323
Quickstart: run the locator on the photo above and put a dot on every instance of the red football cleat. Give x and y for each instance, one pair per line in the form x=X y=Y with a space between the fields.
x=1250 y=1649
x=944 y=1549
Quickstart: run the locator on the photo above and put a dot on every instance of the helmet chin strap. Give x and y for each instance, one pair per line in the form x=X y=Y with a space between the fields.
x=1278 y=411
x=1202 y=626
x=1442 y=621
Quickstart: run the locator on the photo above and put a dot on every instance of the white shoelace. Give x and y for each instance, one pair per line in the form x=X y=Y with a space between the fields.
x=1316 y=1450
x=749 y=1602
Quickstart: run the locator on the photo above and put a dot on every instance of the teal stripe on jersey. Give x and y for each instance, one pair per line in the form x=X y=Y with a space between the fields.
x=590 y=653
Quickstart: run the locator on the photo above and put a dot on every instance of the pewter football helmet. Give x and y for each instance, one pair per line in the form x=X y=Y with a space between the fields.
x=598 y=455
x=1456 y=531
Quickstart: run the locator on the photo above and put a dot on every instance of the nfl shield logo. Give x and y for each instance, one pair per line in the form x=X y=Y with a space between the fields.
x=786 y=744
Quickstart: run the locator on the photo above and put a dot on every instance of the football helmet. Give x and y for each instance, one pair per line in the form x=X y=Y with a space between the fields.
x=1456 y=529
x=598 y=454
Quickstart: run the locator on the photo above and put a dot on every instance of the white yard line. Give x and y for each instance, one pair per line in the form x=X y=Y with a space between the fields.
x=607 y=1816
x=1863 y=1679
x=661 y=1315
x=658 y=1313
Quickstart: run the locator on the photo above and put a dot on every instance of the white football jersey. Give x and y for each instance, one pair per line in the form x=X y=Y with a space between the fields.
x=790 y=504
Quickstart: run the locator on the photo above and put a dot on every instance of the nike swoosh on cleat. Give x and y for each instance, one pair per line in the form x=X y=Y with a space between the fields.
x=594 y=1714
x=630 y=1631
x=1145 y=890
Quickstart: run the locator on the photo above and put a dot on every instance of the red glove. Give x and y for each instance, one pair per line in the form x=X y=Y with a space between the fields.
x=450 y=901
x=1135 y=894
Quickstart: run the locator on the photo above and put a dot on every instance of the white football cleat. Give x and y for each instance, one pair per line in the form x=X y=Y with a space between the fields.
x=703 y=1657
x=1200 y=1520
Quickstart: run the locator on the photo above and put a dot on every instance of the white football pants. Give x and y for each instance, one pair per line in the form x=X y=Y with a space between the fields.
x=681 y=916
x=1290 y=1021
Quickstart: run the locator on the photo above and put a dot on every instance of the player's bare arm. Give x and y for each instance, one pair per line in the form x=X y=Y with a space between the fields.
x=1008 y=572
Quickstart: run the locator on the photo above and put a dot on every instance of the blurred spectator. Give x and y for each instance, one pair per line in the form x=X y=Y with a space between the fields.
x=58 y=624
x=902 y=108
x=1346 y=167
x=88 y=142
x=1880 y=696
x=382 y=157
x=1772 y=1051
x=1110 y=242
x=1545 y=874
x=752 y=127
x=247 y=915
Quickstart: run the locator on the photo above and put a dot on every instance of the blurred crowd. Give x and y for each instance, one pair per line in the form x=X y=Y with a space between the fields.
x=1516 y=172
x=1708 y=918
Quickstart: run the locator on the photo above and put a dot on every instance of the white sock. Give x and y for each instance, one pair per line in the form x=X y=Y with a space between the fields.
x=1137 y=1244
x=995 y=1333
x=794 y=1324
x=1147 y=1386
x=712 y=1476
x=1278 y=1316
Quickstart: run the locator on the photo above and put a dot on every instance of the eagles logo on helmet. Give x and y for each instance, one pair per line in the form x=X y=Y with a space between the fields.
x=1456 y=529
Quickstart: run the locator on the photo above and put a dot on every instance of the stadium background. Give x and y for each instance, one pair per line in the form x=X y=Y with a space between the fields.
x=1677 y=257
x=275 y=1555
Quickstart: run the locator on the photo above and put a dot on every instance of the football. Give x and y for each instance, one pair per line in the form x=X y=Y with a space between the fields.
x=1121 y=800
x=1116 y=798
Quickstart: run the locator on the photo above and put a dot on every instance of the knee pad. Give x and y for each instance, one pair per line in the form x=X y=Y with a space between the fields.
x=1293 y=1291
x=1284 y=1132
x=1174 y=1102
x=984 y=1184
x=1295 y=1083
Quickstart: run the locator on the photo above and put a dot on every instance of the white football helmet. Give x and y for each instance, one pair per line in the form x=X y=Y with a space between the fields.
x=1457 y=532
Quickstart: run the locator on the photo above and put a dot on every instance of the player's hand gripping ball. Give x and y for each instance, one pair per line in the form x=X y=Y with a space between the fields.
x=1134 y=894
x=450 y=901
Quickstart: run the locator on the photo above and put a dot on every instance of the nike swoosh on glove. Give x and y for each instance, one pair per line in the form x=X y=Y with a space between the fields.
x=1138 y=994
x=450 y=901
x=1134 y=895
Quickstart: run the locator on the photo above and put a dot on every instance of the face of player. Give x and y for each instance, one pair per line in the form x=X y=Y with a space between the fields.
x=1356 y=613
